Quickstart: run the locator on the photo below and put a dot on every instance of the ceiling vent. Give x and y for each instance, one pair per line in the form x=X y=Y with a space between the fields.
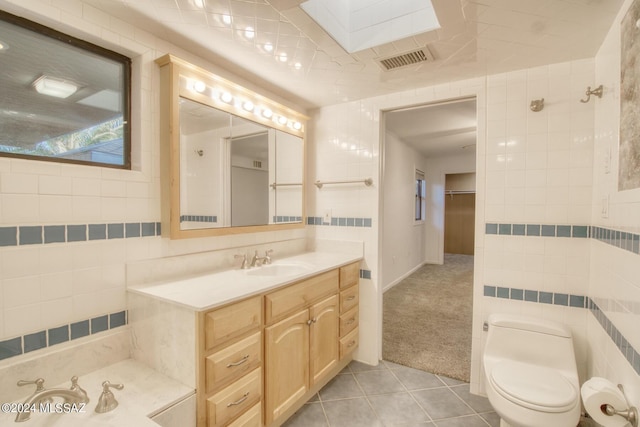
x=405 y=59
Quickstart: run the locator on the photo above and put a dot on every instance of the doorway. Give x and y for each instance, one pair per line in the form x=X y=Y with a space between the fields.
x=427 y=300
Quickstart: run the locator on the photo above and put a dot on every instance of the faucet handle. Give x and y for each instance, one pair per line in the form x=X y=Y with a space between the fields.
x=107 y=401
x=267 y=256
x=245 y=263
x=39 y=383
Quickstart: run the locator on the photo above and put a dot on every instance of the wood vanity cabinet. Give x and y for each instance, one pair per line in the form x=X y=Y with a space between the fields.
x=309 y=331
x=230 y=368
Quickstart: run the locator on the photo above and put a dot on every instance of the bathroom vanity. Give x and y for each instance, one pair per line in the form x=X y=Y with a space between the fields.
x=256 y=344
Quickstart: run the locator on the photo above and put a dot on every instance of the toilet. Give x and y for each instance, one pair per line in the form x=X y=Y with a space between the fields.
x=530 y=372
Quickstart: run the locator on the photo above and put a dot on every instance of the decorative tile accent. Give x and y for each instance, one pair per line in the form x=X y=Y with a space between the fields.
x=30 y=235
x=627 y=350
x=58 y=335
x=8 y=236
x=38 y=340
x=115 y=231
x=54 y=233
x=35 y=341
x=198 y=218
x=97 y=231
x=620 y=239
x=76 y=233
x=99 y=324
x=10 y=348
x=340 y=221
x=39 y=234
x=529 y=295
x=79 y=329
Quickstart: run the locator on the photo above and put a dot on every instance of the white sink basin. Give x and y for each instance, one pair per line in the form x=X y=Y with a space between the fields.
x=282 y=270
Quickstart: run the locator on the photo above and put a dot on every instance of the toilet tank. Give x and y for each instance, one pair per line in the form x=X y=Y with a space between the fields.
x=530 y=340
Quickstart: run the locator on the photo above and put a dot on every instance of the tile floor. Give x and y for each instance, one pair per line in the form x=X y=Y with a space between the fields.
x=391 y=395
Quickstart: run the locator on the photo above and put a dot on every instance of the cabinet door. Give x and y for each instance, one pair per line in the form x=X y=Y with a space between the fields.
x=286 y=364
x=324 y=337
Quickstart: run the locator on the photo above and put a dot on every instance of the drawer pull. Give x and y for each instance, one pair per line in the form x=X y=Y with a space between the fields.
x=352 y=343
x=239 y=362
x=239 y=401
x=350 y=321
x=351 y=298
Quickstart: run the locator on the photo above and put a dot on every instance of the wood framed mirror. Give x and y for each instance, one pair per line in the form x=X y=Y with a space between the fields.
x=232 y=161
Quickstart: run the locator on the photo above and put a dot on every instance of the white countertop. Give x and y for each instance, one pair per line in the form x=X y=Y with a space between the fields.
x=211 y=290
x=145 y=393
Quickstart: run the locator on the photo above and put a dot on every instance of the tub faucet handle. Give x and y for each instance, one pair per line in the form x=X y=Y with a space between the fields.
x=107 y=401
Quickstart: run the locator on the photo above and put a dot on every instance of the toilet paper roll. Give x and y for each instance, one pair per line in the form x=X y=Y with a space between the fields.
x=598 y=392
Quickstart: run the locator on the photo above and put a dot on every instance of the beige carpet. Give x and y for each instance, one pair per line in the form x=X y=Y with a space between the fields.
x=427 y=318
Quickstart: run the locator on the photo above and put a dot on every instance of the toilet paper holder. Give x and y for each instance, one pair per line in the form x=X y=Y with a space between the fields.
x=630 y=414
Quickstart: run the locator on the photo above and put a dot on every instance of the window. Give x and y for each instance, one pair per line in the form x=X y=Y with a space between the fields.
x=61 y=98
x=421 y=192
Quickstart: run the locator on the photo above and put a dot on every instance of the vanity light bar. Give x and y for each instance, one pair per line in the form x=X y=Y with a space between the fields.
x=240 y=102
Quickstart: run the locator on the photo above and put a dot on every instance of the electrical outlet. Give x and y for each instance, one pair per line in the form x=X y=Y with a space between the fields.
x=605 y=207
x=326 y=218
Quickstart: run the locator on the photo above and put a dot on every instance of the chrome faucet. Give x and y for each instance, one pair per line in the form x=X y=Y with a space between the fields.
x=256 y=261
x=267 y=256
x=245 y=261
x=74 y=395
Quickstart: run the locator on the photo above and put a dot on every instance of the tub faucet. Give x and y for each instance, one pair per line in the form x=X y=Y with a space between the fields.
x=74 y=395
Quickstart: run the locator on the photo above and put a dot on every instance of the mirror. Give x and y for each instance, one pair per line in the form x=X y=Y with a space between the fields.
x=232 y=161
x=235 y=172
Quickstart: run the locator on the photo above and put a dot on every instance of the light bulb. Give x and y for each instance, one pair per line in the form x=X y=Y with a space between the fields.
x=226 y=97
x=268 y=47
x=282 y=57
x=248 y=105
x=297 y=65
x=282 y=120
x=226 y=19
x=199 y=86
x=267 y=113
x=249 y=32
x=297 y=125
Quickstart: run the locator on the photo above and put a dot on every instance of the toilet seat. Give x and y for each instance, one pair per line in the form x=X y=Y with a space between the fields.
x=534 y=387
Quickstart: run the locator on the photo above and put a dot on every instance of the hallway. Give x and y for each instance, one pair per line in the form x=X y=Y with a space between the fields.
x=427 y=318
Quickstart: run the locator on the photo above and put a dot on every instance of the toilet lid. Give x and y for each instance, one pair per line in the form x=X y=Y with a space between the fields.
x=534 y=387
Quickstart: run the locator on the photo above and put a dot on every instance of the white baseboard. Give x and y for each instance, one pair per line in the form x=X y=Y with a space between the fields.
x=401 y=278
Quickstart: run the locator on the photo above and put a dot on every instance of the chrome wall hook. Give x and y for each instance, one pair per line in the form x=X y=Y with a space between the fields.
x=537 y=105
x=596 y=92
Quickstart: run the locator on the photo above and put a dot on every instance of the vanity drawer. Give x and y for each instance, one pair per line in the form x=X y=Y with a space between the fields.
x=280 y=303
x=235 y=399
x=232 y=321
x=348 y=321
x=349 y=298
x=233 y=362
x=349 y=343
x=349 y=275
x=251 y=418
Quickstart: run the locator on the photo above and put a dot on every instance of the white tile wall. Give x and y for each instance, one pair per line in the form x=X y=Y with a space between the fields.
x=615 y=274
x=49 y=285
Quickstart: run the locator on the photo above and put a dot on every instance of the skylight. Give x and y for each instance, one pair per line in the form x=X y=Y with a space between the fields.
x=361 y=24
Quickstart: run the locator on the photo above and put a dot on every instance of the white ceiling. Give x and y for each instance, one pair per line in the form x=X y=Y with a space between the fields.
x=478 y=37
x=437 y=130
